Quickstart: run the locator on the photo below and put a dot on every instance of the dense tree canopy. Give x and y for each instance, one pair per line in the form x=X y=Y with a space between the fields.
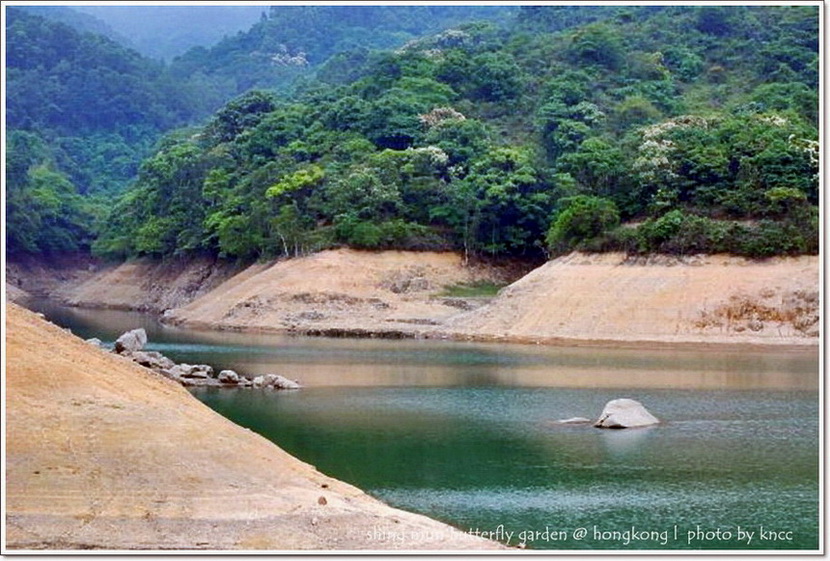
x=627 y=128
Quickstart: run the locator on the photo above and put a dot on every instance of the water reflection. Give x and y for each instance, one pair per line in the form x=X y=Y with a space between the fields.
x=624 y=445
x=368 y=363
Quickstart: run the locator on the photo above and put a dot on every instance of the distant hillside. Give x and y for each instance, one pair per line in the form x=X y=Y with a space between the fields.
x=164 y=32
x=81 y=112
x=291 y=41
x=77 y=20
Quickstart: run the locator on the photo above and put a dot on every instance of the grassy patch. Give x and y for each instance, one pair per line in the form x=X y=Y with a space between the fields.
x=478 y=289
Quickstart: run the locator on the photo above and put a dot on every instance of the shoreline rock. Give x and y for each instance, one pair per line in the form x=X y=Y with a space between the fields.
x=130 y=343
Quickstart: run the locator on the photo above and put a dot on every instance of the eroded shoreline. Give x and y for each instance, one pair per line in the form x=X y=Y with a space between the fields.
x=609 y=300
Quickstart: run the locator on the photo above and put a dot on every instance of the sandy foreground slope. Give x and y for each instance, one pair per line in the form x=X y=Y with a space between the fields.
x=101 y=453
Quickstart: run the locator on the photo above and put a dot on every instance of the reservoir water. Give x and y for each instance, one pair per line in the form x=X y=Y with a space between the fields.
x=467 y=433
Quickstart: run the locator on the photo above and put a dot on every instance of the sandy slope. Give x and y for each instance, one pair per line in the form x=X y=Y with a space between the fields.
x=342 y=289
x=611 y=297
x=103 y=454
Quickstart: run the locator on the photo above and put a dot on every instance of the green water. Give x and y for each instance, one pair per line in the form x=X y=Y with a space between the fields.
x=467 y=433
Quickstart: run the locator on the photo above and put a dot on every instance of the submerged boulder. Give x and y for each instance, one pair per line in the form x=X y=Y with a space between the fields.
x=132 y=341
x=625 y=413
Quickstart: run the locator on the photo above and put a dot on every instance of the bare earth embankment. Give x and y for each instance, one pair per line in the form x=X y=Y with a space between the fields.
x=101 y=453
x=340 y=292
x=606 y=299
x=144 y=285
x=612 y=298
x=576 y=299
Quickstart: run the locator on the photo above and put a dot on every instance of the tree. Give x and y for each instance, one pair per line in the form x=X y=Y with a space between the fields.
x=580 y=219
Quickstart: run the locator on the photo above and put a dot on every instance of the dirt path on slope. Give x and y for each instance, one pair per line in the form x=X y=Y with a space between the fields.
x=101 y=453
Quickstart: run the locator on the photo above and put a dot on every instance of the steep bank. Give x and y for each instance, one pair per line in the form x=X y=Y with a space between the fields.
x=100 y=453
x=142 y=284
x=616 y=298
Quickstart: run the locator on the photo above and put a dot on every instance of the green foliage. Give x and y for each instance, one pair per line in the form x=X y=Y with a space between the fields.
x=697 y=123
x=681 y=233
x=581 y=218
x=294 y=40
x=597 y=44
x=301 y=179
x=44 y=212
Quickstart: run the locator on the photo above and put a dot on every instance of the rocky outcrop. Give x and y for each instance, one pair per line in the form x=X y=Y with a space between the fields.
x=153 y=360
x=131 y=343
x=228 y=377
x=623 y=414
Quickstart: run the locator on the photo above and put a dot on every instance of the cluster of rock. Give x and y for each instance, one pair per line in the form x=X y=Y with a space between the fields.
x=131 y=343
x=619 y=414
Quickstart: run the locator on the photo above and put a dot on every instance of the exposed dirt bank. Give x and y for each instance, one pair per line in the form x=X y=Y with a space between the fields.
x=607 y=299
x=143 y=284
x=342 y=291
x=611 y=297
x=101 y=453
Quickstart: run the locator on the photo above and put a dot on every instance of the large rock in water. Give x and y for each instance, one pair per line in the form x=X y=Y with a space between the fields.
x=623 y=414
x=131 y=341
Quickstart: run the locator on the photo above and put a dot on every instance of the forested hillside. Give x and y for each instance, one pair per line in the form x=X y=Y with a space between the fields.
x=81 y=113
x=83 y=110
x=289 y=43
x=680 y=129
x=669 y=129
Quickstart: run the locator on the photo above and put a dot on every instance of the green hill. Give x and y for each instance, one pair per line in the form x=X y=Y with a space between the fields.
x=679 y=129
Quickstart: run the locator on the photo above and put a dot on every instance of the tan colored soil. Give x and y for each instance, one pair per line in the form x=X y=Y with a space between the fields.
x=575 y=299
x=389 y=291
x=145 y=284
x=607 y=298
x=101 y=453
x=610 y=297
